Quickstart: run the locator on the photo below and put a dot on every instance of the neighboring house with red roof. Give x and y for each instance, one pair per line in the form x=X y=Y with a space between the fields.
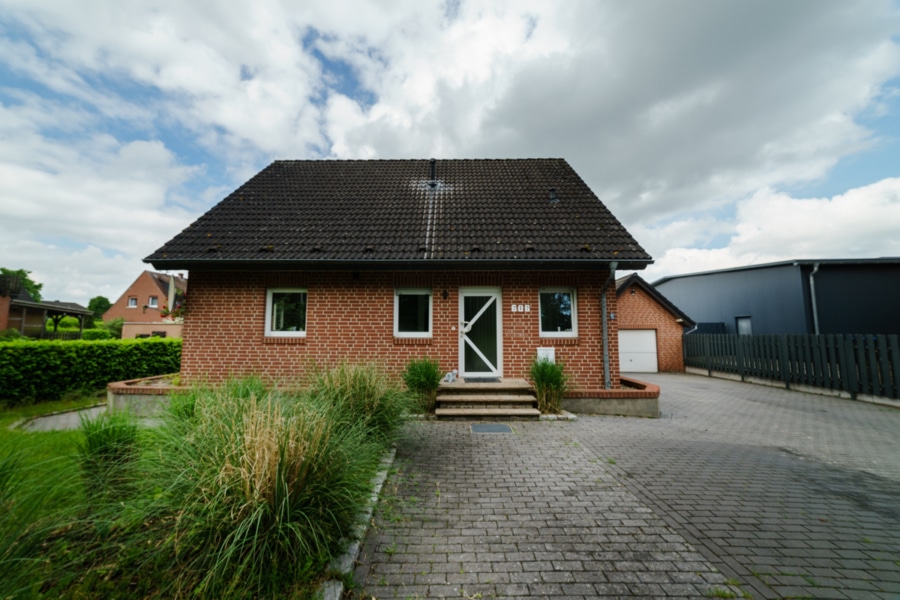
x=146 y=301
x=651 y=328
x=475 y=263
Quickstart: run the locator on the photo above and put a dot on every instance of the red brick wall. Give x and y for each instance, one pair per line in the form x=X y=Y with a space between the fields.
x=142 y=288
x=350 y=318
x=642 y=311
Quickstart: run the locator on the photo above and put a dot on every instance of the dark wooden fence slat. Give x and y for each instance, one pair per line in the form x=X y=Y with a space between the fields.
x=853 y=366
x=832 y=380
x=706 y=344
x=784 y=362
x=884 y=371
x=894 y=343
x=875 y=384
x=862 y=365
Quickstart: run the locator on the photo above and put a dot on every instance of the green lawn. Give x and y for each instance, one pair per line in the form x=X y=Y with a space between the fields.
x=43 y=454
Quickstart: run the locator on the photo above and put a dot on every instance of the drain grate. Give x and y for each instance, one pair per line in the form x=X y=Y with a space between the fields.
x=482 y=380
x=491 y=428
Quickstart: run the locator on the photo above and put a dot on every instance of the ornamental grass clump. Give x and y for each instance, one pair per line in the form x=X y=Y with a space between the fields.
x=265 y=488
x=423 y=377
x=107 y=451
x=363 y=394
x=550 y=384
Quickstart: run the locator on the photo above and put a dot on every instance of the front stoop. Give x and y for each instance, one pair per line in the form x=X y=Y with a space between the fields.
x=503 y=400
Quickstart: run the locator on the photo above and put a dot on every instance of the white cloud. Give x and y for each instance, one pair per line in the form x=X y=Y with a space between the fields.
x=772 y=226
x=134 y=116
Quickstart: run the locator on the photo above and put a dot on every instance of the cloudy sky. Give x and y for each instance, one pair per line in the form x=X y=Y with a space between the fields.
x=721 y=133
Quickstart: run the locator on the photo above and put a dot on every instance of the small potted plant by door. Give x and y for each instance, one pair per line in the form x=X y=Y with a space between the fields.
x=423 y=377
x=550 y=384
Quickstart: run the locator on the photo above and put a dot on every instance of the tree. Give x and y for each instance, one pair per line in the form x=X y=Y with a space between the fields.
x=99 y=305
x=32 y=287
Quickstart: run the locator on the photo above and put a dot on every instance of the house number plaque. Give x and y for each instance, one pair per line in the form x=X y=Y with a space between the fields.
x=521 y=308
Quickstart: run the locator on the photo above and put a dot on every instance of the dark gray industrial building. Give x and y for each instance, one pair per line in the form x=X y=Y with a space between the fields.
x=799 y=296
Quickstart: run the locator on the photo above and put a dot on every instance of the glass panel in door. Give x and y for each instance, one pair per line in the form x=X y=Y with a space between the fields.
x=480 y=348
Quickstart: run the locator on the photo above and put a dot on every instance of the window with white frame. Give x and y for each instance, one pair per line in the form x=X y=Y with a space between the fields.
x=132 y=302
x=286 y=312
x=153 y=302
x=412 y=313
x=558 y=313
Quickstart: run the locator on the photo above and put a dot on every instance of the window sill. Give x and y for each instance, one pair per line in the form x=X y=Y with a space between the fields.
x=411 y=341
x=560 y=341
x=284 y=340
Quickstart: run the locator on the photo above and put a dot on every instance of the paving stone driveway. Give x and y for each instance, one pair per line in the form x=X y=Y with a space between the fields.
x=738 y=489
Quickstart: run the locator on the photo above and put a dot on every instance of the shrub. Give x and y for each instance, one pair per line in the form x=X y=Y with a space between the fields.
x=114 y=327
x=265 y=488
x=50 y=369
x=423 y=377
x=550 y=383
x=9 y=334
x=66 y=323
x=96 y=334
x=363 y=394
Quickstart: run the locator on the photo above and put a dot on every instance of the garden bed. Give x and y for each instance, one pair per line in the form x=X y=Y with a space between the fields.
x=146 y=396
x=634 y=398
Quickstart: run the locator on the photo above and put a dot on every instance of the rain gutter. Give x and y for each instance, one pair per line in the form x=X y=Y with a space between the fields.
x=812 y=295
x=607 y=380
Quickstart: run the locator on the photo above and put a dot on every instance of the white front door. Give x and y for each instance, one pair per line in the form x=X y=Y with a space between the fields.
x=480 y=339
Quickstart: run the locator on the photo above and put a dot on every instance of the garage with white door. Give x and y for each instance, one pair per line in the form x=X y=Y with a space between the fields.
x=637 y=351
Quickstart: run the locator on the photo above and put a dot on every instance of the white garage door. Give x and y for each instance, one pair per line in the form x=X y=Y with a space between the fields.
x=637 y=351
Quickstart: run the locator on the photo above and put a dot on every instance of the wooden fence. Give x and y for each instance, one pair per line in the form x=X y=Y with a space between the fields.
x=60 y=335
x=857 y=364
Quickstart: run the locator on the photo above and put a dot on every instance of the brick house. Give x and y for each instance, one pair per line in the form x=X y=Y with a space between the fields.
x=143 y=300
x=144 y=303
x=651 y=328
x=475 y=263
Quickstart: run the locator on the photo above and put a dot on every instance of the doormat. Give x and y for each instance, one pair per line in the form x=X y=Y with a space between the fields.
x=491 y=428
x=482 y=380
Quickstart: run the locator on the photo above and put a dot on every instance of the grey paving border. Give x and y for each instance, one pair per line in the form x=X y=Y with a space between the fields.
x=333 y=589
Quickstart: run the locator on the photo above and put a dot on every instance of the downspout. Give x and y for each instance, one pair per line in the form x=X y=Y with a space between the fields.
x=812 y=295
x=607 y=380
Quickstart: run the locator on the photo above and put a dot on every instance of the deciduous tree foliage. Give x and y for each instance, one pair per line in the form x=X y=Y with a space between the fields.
x=32 y=287
x=99 y=305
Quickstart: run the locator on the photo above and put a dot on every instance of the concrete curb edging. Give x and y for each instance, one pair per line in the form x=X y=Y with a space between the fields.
x=563 y=415
x=333 y=589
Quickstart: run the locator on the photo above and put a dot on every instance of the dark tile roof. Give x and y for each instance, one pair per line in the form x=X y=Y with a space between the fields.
x=298 y=213
x=162 y=282
x=624 y=283
x=52 y=307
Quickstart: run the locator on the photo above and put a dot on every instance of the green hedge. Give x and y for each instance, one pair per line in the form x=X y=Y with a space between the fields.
x=45 y=371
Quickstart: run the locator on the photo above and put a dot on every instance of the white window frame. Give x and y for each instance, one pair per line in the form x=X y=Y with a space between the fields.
x=153 y=302
x=132 y=302
x=559 y=334
x=413 y=292
x=268 y=315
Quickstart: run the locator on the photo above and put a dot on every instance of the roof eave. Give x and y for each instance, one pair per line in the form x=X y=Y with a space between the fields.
x=396 y=265
x=50 y=307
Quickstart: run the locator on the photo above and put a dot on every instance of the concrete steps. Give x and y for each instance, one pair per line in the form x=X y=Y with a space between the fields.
x=503 y=400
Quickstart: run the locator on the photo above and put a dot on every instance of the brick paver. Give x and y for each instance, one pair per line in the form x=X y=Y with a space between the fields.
x=784 y=493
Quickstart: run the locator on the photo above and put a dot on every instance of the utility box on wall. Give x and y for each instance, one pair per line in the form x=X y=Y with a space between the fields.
x=547 y=354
